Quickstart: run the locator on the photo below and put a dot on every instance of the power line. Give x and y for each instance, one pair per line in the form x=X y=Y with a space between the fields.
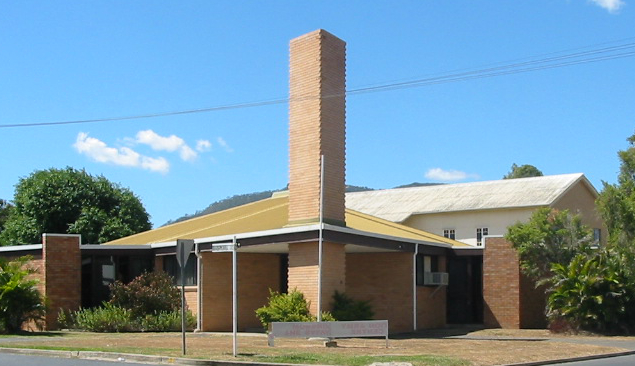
x=570 y=59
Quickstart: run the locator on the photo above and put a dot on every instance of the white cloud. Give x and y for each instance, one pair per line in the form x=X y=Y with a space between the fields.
x=158 y=142
x=203 y=145
x=448 y=175
x=124 y=156
x=187 y=154
x=171 y=143
x=613 y=6
x=224 y=144
x=159 y=164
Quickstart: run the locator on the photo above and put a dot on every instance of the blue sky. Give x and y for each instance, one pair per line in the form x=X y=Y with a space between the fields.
x=69 y=61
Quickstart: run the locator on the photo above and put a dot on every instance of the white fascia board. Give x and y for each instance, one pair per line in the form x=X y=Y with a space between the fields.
x=256 y=234
x=115 y=246
x=19 y=248
x=382 y=236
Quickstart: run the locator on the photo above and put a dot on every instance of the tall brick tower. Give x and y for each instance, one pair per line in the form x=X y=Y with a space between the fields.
x=317 y=127
x=317 y=113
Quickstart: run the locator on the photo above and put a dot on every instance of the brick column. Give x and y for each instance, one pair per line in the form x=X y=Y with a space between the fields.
x=303 y=272
x=317 y=113
x=501 y=284
x=62 y=267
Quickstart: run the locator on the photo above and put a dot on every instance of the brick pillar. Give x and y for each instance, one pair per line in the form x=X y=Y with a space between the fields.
x=62 y=267
x=501 y=284
x=317 y=112
x=303 y=272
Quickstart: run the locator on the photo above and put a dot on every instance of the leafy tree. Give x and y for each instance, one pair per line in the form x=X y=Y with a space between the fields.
x=20 y=301
x=617 y=201
x=523 y=171
x=72 y=201
x=5 y=210
x=550 y=236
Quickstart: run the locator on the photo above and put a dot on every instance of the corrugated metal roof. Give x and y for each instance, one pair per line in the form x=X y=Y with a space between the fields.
x=400 y=203
x=267 y=214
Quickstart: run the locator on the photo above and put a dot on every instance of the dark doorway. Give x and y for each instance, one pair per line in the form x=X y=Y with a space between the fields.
x=464 y=294
x=284 y=273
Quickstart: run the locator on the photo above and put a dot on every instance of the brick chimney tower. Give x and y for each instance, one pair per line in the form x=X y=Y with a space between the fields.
x=317 y=118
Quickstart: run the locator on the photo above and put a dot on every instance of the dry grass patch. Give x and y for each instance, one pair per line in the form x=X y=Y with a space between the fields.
x=254 y=347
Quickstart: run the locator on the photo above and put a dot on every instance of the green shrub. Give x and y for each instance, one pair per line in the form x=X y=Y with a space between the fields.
x=108 y=318
x=593 y=293
x=290 y=307
x=167 y=322
x=112 y=318
x=347 y=309
x=149 y=293
x=149 y=303
x=20 y=301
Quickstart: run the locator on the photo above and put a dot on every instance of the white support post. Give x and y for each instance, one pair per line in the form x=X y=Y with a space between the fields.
x=320 y=240
x=234 y=298
x=414 y=288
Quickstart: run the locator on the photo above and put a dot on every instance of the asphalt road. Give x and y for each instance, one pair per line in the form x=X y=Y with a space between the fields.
x=612 y=361
x=28 y=360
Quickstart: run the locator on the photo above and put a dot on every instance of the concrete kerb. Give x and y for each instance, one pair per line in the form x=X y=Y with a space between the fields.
x=136 y=358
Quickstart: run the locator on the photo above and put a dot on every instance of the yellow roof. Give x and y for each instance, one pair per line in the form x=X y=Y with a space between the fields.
x=363 y=222
x=267 y=214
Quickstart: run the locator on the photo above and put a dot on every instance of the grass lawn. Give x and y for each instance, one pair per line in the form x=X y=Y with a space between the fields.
x=358 y=351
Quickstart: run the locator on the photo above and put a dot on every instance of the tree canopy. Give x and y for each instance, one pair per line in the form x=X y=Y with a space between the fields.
x=5 y=209
x=549 y=237
x=523 y=171
x=72 y=201
x=617 y=201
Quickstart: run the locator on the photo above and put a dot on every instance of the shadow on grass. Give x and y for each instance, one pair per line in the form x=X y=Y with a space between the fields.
x=33 y=334
x=438 y=333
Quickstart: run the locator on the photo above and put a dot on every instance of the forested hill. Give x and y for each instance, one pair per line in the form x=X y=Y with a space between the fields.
x=242 y=199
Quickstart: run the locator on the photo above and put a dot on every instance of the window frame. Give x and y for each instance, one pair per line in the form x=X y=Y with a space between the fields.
x=425 y=264
x=171 y=267
x=481 y=232
x=449 y=234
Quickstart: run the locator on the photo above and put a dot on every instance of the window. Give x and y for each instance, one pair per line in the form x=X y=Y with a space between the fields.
x=480 y=233
x=449 y=233
x=171 y=266
x=597 y=236
x=426 y=264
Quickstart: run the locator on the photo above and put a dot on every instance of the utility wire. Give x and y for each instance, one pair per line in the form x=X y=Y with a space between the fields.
x=576 y=58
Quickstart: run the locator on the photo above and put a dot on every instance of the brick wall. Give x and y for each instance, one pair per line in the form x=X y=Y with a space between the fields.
x=317 y=110
x=501 y=284
x=62 y=271
x=257 y=273
x=303 y=272
x=431 y=303
x=510 y=298
x=532 y=304
x=191 y=299
x=384 y=279
x=37 y=264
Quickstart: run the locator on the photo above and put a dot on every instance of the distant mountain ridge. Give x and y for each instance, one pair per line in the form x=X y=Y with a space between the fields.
x=243 y=199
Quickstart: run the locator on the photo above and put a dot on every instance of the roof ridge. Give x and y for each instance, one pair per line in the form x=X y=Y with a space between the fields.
x=462 y=184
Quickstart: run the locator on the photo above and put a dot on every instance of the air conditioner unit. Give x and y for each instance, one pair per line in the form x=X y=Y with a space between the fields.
x=435 y=278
